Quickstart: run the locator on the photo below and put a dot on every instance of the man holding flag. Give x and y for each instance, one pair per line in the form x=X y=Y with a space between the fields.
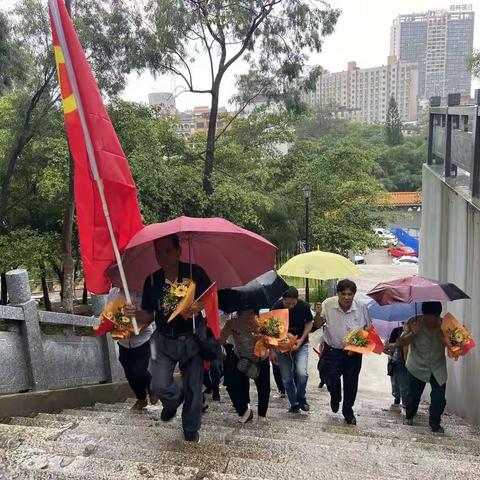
x=175 y=342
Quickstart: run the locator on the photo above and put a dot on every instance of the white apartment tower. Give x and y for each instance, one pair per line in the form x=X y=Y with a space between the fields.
x=363 y=94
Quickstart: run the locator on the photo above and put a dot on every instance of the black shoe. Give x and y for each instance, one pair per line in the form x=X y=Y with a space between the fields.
x=304 y=406
x=193 y=437
x=351 y=420
x=396 y=401
x=334 y=405
x=408 y=421
x=436 y=428
x=294 y=409
x=321 y=385
x=167 y=415
x=216 y=396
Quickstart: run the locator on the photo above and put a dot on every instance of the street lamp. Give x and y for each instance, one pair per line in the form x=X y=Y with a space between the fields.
x=307 y=191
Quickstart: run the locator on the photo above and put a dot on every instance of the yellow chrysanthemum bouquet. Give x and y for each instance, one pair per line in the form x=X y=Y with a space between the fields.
x=272 y=330
x=178 y=297
x=458 y=339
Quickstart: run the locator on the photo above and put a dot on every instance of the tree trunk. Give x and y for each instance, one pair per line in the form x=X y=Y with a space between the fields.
x=46 y=293
x=212 y=130
x=3 y=283
x=68 y=284
x=84 y=294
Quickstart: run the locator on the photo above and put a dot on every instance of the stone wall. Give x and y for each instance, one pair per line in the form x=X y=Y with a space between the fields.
x=450 y=251
x=34 y=360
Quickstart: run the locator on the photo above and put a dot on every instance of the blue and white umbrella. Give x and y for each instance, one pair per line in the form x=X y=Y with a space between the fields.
x=388 y=317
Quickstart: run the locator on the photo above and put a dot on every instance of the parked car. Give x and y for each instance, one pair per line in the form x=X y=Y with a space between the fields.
x=388 y=238
x=359 y=260
x=406 y=260
x=402 y=251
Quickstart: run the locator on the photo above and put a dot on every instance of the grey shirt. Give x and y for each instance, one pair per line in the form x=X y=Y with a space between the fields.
x=426 y=354
x=339 y=323
x=244 y=340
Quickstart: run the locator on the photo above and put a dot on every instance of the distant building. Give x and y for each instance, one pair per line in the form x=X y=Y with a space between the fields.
x=164 y=100
x=185 y=123
x=201 y=118
x=363 y=94
x=439 y=42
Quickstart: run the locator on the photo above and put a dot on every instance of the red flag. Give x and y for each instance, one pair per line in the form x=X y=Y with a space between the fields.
x=375 y=338
x=99 y=161
x=209 y=300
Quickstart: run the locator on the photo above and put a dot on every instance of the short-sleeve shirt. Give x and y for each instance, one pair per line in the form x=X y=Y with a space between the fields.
x=339 y=323
x=298 y=316
x=154 y=291
x=426 y=354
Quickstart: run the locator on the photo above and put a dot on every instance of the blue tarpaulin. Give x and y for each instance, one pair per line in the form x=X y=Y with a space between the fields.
x=406 y=239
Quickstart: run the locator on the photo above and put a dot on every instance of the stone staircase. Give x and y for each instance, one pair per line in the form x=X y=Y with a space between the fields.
x=108 y=441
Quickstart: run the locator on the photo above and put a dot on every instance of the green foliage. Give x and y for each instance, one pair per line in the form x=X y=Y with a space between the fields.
x=393 y=124
x=474 y=63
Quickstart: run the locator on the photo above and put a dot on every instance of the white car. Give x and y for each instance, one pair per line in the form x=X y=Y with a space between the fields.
x=388 y=238
x=359 y=260
x=406 y=260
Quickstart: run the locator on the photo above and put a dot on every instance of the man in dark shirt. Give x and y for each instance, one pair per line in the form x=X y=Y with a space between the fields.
x=294 y=365
x=174 y=341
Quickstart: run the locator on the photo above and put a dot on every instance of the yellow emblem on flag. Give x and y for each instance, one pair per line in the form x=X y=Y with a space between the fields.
x=68 y=99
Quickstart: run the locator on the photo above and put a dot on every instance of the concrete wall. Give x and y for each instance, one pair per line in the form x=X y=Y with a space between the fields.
x=32 y=360
x=450 y=251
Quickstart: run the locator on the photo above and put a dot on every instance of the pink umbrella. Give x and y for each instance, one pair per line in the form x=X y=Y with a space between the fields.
x=230 y=255
x=415 y=289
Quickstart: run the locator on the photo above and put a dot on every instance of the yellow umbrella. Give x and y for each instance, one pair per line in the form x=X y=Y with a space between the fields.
x=320 y=266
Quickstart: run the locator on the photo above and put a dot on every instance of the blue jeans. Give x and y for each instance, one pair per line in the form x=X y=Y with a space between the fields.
x=294 y=370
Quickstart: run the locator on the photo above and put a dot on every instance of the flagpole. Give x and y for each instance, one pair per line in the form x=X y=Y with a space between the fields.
x=90 y=151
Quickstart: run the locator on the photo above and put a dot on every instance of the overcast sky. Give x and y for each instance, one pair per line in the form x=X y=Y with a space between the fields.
x=361 y=34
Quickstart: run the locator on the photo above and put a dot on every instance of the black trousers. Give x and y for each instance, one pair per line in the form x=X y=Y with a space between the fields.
x=321 y=369
x=278 y=378
x=238 y=386
x=337 y=364
x=437 y=398
x=212 y=376
x=135 y=365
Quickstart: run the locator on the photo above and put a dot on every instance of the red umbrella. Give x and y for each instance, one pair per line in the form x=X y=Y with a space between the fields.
x=230 y=255
x=415 y=289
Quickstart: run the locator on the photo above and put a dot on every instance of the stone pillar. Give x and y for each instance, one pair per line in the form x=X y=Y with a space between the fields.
x=20 y=296
x=110 y=356
x=98 y=304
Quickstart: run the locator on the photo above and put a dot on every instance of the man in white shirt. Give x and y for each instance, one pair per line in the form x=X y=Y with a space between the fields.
x=340 y=315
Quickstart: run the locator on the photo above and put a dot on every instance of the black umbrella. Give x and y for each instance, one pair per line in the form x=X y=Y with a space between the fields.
x=262 y=292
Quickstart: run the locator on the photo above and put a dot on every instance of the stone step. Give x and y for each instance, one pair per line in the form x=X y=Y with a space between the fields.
x=240 y=445
x=364 y=418
x=334 y=432
x=368 y=428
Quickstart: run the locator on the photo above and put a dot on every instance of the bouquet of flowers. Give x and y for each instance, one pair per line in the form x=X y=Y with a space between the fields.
x=272 y=329
x=287 y=344
x=114 y=320
x=458 y=339
x=178 y=297
x=358 y=341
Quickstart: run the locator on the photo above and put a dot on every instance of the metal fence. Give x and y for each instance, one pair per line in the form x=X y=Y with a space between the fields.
x=454 y=138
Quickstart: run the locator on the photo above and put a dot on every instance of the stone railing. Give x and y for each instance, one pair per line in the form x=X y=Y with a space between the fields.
x=45 y=350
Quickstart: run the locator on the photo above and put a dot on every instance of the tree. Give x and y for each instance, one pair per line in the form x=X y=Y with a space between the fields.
x=11 y=66
x=393 y=124
x=273 y=36
x=37 y=96
x=474 y=63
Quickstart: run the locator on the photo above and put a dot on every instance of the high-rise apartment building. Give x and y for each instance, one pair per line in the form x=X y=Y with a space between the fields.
x=363 y=94
x=439 y=42
x=165 y=101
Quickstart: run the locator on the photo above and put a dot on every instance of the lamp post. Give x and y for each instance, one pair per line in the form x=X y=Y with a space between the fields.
x=307 y=191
